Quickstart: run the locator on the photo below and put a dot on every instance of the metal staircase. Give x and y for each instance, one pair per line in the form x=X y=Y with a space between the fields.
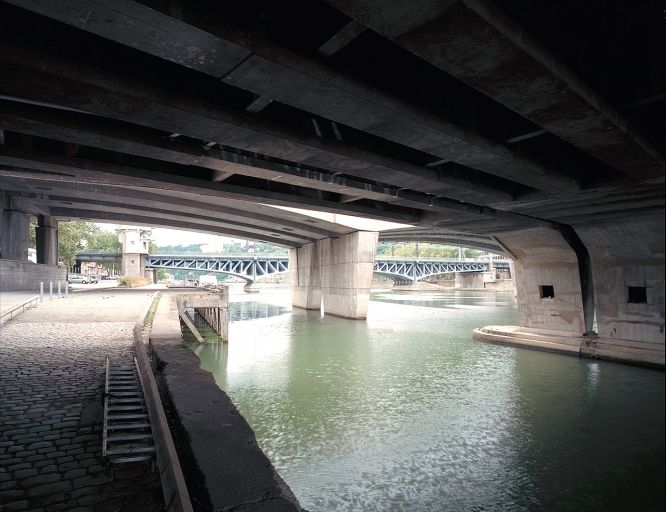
x=127 y=435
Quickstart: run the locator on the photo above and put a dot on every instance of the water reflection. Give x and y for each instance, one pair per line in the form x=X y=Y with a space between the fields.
x=448 y=299
x=252 y=310
x=406 y=412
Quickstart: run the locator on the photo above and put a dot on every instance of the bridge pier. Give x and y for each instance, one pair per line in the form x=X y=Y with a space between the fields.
x=597 y=291
x=16 y=272
x=547 y=281
x=46 y=234
x=627 y=259
x=13 y=231
x=472 y=279
x=335 y=274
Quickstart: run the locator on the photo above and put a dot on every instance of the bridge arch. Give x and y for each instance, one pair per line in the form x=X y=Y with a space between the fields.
x=248 y=268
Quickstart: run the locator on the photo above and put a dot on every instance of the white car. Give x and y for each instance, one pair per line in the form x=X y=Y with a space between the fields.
x=79 y=278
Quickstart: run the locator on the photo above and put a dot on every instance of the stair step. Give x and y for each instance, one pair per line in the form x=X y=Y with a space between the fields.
x=125 y=460
x=123 y=450
x=118 y=408
x=112 y=417
x=116 y=438
x=128 y=426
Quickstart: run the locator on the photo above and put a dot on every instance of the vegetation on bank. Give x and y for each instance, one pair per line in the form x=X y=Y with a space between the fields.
x=77 y=236
x=423 y=250
x=133 y=281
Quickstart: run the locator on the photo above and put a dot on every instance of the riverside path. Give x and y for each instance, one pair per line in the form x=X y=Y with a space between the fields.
x=51 y=413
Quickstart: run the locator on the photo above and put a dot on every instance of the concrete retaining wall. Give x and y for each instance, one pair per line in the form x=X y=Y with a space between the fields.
x=25 y=275
x=223 y=466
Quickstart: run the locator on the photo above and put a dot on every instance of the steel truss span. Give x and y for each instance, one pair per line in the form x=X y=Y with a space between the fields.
x=251 y=268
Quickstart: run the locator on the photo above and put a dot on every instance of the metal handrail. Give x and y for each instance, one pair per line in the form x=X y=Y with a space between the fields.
x=20 y=306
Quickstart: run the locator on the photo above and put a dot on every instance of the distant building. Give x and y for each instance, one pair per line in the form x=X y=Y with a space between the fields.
x=208 y=280
x=136 y=245
x=92 y=268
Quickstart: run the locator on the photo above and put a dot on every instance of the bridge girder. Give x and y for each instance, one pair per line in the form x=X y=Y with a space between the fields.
x=401 y=114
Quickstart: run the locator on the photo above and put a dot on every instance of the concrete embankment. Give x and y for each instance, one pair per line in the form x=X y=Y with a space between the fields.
x=514 y=336
x=223 y=466
x=622 y=351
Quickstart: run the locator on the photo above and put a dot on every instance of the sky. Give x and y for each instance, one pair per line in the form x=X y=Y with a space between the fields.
x=163 y=236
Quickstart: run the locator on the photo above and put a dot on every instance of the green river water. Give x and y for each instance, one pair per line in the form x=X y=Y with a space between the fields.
x=405 y=412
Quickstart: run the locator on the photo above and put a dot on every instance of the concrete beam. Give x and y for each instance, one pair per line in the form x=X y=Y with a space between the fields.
x=341 y=39
x=59 y=82
x=271 y=71
x=477 y=43
x=19 y=162
x=156 y=221
x=132 y=23
x=259 y=215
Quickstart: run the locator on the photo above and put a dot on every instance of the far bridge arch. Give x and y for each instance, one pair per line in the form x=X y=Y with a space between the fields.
x=248 y=268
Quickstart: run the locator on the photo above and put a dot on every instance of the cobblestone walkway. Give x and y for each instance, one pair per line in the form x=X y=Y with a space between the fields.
x=51 y=408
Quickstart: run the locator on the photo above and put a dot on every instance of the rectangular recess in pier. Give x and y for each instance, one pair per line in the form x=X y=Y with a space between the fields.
x=547 y=291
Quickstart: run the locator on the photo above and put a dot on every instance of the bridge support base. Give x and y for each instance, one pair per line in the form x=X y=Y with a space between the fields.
x=627 y=259
x=334 y=274
x=547 y=281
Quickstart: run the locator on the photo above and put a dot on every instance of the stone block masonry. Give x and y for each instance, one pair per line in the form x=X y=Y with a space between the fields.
x=51 y=384
x=224 y=468
x=25 y=275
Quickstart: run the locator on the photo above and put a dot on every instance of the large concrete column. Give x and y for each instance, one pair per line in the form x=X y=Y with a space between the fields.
x=547 y=281
x=13 y=235
x=47 y=240
x=627 y=258
x=305 y=281
x=346 y=267
x=336 y=273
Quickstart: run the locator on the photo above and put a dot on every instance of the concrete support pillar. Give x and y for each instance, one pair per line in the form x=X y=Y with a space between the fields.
x=335 y=273
x=47 y=241
x=305 y=281
x=627 y=259
x=469 y=280
x=13 y=235
x=547 y=281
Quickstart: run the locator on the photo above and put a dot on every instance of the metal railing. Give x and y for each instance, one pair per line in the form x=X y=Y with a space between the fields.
x=31 y=302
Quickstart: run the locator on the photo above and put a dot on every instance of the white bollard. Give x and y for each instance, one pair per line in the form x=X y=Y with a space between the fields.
x=58 y=289
x=41 y=292
x=50 y=290
x=66 y=289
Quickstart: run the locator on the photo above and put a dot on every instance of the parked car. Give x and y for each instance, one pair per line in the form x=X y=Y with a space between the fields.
x=81 y=279
x=77 y=279
x=109 y=278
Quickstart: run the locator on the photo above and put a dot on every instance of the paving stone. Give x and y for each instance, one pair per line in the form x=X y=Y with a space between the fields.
x=25 y=473
x=42 y=479
x=15 y=506
x=46 y=435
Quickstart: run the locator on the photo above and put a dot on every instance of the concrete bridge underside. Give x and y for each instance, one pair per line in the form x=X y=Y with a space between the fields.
x=458 y=118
